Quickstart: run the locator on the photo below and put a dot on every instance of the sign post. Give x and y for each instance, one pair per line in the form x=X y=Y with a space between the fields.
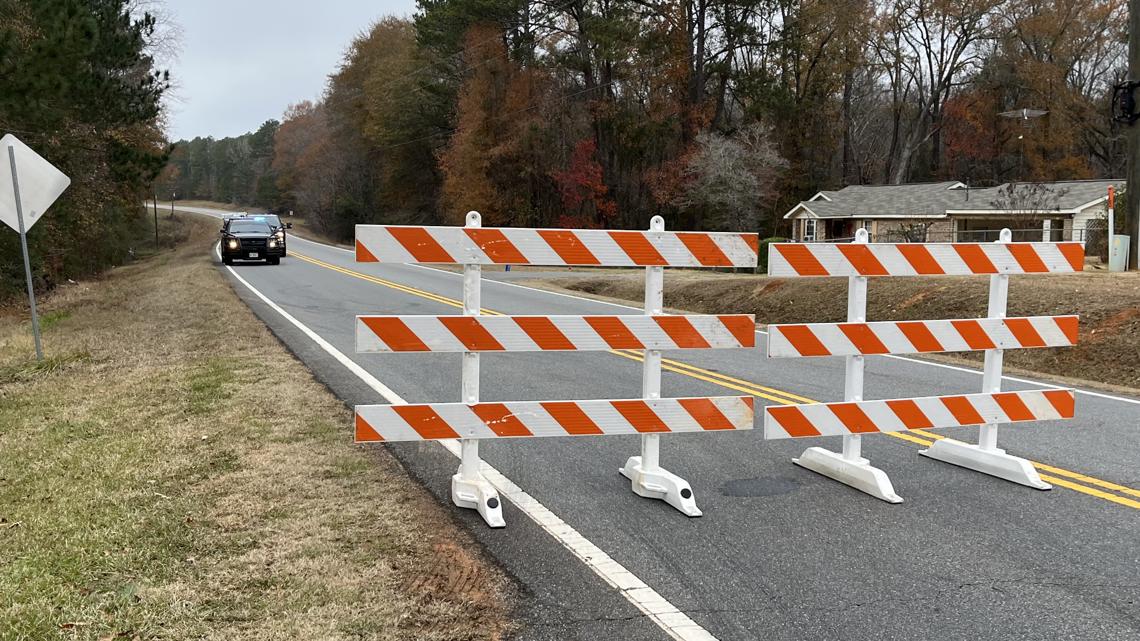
x=1111 y=224
x=43 y=183
x=156 y=221
x=24 y=247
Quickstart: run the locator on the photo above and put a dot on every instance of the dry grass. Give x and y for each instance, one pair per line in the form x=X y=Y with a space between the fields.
x=170 y=471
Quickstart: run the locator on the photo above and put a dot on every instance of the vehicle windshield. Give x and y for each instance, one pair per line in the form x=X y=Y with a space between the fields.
x=271 y=219
x=248 y=226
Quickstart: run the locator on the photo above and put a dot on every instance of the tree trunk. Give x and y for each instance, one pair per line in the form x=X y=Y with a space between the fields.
x=848 y=147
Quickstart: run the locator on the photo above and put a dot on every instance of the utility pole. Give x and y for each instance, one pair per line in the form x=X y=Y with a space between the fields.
x=1132 y=212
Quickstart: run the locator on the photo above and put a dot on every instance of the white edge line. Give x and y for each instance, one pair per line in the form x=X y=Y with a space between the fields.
x=675 y=623
x=917 y=361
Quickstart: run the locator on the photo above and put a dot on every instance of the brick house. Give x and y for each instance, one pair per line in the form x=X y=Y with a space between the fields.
x=952 y=211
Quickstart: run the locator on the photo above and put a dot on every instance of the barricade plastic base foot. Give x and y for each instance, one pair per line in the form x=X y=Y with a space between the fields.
x=478 y=495
x=660 y=484
x=856 y=473
x=994 y=462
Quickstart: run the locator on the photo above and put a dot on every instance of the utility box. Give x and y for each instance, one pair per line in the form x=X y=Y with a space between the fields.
x=1118 y=253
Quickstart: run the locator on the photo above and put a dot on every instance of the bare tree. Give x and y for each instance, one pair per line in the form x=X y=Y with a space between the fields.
x=729 y=179
x=926 y=48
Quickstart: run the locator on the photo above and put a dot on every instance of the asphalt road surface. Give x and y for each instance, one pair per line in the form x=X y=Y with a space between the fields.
x=780 y=553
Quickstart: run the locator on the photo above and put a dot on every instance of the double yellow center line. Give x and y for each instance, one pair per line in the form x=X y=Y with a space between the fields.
x=1068 y=479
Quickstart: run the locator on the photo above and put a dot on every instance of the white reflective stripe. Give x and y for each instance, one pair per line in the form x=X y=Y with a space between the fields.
x=948 y=258
x=462 y=420
x=652 y=336
x=824 y=419
x=893 y=338
x=1040 y=406
x=385 y=418
x=735 y=247
x=536 y=250
x=579 y=332
x=893 y=260
x=460 y=246
x=988 y=408
x=509 y=333
x=831 y=335
x=366 y=340
x=605 y=249
x=536 y=419
x=672 y=249
x=435 y=334
x=382 y=244
x=833 y=338
x=1050 y=330
x=714 y=331
x=883 y=417
x=936 y=411
x=607 y=418
x=949 y=336
x=1051 y=255
x=999 y=333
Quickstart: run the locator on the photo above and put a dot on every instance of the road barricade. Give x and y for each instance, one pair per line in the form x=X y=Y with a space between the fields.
x=472 y=333
x=858 y=338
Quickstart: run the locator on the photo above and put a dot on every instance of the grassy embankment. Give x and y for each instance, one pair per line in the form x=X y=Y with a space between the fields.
x=171 y=471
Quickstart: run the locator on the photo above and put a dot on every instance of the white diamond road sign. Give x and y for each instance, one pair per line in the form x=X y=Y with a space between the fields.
x=40 y=183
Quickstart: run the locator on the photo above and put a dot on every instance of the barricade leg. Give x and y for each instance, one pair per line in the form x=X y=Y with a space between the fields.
x=986 y=457
x=849 y=467
x=469 y=489
x=644 y=472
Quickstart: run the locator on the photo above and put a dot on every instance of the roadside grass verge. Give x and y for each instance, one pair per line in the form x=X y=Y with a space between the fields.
x=170 y=471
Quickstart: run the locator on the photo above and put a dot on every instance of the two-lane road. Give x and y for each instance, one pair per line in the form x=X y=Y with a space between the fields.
x=781 y=553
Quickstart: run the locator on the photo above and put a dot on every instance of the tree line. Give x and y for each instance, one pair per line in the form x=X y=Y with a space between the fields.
x=79 y=84
x=717 y=114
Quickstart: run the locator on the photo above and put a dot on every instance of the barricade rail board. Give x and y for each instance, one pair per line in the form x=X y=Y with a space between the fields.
x=897 y=415
x=552 y=333
x=920 y=337
x=922 y=259
x=578 y=247
x=375 y=423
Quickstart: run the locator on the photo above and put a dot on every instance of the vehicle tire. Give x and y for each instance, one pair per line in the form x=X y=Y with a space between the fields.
x=276 y=260
x=226 y=260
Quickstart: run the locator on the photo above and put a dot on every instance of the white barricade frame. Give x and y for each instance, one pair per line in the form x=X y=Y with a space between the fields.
x=651 y=415
x=856 y=338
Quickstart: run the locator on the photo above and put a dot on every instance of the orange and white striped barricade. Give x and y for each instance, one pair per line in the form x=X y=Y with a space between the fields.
x=472 y=333
x=857 y=339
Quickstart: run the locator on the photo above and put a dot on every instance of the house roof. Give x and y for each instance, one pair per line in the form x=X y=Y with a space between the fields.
x=937 y=200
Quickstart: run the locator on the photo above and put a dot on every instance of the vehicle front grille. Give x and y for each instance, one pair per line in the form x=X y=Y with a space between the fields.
x=252 y=243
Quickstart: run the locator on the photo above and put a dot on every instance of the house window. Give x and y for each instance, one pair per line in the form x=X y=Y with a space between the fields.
x=809 y=230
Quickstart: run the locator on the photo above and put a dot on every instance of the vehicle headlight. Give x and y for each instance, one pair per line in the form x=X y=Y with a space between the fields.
x=233 y=243
x=272 y=243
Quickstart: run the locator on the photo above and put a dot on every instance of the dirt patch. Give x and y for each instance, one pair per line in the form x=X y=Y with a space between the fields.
x=1108 y=350
x=172 y=472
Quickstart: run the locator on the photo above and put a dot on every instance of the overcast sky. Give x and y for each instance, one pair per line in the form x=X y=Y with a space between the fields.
x=243 y=61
